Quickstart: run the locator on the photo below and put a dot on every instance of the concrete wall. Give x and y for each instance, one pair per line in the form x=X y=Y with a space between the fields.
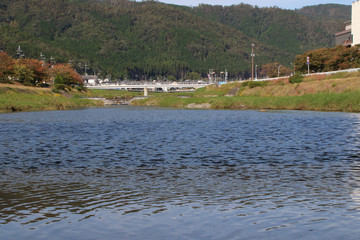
x=355 y=22
x=342 y=37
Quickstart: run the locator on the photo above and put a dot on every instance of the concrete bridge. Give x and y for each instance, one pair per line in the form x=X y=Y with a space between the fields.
x=146 y=86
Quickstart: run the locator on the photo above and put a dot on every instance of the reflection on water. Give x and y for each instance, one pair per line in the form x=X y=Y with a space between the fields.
x=135 y=173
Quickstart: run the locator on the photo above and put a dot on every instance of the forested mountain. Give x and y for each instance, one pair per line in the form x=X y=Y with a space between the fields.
x=330 y=17
x=292 y=31
x=142 y=40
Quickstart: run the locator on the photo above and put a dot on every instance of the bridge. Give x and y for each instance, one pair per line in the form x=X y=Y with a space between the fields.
x=166 y=87
x=146 y=86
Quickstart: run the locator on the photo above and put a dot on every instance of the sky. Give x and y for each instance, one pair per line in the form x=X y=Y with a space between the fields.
x=285 y=4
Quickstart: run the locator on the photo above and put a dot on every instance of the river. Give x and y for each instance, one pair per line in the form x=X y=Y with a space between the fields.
x=147 y=173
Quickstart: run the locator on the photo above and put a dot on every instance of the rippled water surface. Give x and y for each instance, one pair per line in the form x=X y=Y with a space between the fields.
x=136 y=173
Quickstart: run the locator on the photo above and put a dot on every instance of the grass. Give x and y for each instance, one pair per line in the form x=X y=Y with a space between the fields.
x=101 y=93
x=15 y=98
x=338 y=92
x=11 y=102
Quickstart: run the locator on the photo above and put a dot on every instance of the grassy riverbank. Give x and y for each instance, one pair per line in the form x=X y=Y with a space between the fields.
x=14 y=98
x=339 y=92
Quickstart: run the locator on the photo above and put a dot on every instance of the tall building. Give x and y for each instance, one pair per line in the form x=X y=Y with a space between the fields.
x=355 y=22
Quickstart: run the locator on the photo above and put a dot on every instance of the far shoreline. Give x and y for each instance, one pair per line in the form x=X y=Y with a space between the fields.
x=336 y=93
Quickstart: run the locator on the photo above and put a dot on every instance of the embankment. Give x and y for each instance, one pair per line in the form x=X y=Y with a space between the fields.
x=14 y=98
x=339 y=92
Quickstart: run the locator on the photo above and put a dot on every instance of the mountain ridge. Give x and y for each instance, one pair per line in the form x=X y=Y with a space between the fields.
x=143 y=40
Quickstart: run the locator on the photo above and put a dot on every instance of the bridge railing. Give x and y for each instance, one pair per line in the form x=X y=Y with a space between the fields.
x=147 y=83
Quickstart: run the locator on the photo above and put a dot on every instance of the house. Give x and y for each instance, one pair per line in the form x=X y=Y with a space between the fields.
x=91 y=80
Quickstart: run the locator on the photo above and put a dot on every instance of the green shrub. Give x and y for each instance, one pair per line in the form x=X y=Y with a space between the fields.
x=81 y=88
x=59 y=79
x=297 y=78
x=252 y=84
x=44 y=85
x=54 y=90
x=338 y=75
x=60 y=86
x=6 y=80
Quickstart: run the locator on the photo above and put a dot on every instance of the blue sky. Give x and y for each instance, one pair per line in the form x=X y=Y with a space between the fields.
x=285 y=4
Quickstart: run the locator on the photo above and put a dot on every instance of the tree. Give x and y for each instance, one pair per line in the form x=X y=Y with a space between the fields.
x=30 y=72
x=274 y=69
x=329 y=59
x=6 y=67
x=193 y=76
x=23 y=74
x=40 y=74
x=65 y=74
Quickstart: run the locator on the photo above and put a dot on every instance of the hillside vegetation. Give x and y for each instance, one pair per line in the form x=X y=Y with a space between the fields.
x=143 y=40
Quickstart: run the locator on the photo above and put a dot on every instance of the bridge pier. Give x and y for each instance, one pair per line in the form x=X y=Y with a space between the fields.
x=146 y=92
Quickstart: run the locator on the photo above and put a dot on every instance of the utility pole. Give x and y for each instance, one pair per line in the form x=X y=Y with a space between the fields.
x=255 y=72
x=278 y=67
x=19 y=53
x=211 y=73
x=86 y=69
x=42 y=58
x=52 y=60
x=308 y=63
x=252 y=60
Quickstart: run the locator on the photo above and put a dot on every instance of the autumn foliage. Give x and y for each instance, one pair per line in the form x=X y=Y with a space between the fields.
x=33 y=72
x=65 y=74
x=329 y=59
x=274 y=69
x=6 y=67
x=30 y=72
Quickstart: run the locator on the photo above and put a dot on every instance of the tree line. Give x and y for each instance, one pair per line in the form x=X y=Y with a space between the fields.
x=329 y=59
x=33 y=72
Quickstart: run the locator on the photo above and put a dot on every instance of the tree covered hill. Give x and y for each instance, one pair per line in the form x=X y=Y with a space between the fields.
x=330 y=17
x=142 y=40
x=293 y=31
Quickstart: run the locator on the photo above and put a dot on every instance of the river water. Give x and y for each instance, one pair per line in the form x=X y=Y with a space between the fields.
x=140 y=173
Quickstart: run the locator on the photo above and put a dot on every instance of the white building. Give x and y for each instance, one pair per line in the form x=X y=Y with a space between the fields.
x=355 y=22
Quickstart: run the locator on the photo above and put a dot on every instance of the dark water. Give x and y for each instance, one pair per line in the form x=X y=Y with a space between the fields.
x=133 y=173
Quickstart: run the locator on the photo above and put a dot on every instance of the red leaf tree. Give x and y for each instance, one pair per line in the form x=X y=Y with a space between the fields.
x=65 y=74
x=31 y=72
x=6 y=67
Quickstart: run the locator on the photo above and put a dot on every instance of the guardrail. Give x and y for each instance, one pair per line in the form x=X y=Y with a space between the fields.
x=311 y=74
x=153 y=83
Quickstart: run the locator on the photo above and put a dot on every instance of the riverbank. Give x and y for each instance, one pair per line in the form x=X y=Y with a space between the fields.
x=16 y=98
x=339 y=92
